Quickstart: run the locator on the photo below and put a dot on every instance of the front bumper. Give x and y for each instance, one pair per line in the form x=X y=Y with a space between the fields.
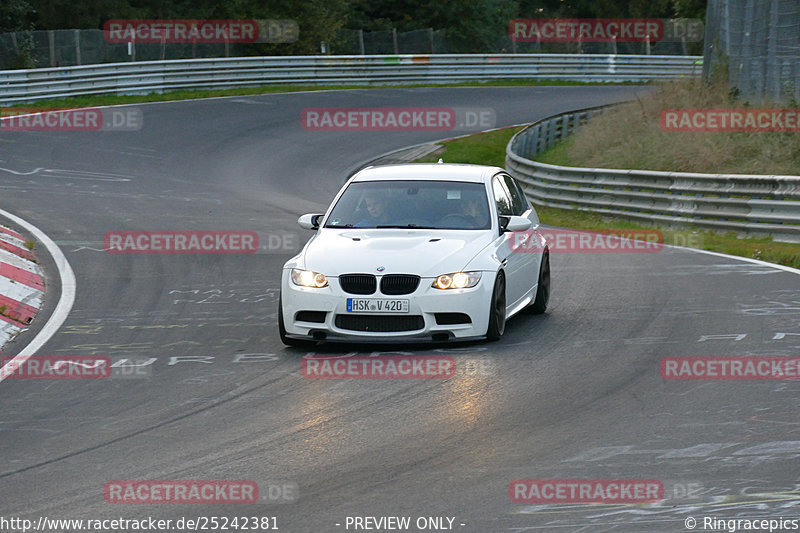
x=426 y=305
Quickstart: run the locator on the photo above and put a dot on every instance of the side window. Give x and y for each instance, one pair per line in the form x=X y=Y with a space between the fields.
x=501 y=197
x=519 y=203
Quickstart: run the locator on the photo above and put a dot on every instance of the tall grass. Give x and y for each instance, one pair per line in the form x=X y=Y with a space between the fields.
x=630 y=136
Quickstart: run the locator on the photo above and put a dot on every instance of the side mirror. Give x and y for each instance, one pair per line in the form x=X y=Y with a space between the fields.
x=514 y=223
x=310 y=221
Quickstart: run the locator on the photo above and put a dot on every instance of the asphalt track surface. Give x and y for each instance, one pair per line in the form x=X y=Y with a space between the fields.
x=573 y=394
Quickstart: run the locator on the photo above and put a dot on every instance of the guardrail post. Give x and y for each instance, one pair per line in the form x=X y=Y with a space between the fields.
x=565 y=125
x=612 y=67
x=52 y=46
x=534 y=142
x=78 y=46
x=526 y=144
x=551 y=134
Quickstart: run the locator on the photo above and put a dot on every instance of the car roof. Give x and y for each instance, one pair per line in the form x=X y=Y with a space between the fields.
x=428 y=171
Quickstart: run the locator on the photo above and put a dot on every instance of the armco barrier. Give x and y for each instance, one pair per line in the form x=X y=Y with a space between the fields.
x=22 y=86
x=731 y=202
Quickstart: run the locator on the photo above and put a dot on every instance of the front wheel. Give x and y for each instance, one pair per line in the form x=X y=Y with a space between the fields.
x=497 y=309
x=539 y=304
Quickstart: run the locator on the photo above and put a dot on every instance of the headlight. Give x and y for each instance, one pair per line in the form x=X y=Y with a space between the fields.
x=457 y=280
x=307 y=278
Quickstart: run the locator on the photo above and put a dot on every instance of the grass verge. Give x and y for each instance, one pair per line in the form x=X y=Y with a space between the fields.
x=489 y=149
x=630 y=136
x=480 y=149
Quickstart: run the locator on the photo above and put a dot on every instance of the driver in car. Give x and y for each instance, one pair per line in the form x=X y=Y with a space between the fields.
x=377 y=212
x=471 y=214
x=476 y=211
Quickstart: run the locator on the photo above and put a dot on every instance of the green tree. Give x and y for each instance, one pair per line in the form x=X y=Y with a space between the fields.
x=595 y=8
x=691 y=9
x=15 y=15
x=470 y=25
x=319 y=20
x=79 y=14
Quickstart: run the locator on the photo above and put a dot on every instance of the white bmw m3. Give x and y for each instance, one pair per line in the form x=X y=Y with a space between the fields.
x=416 y=252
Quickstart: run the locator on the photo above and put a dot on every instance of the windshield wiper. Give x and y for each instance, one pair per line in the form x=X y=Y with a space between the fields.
x=404 y=226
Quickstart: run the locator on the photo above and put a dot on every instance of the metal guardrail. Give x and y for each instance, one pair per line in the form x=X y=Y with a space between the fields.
x=22 y=86
x=744 y=203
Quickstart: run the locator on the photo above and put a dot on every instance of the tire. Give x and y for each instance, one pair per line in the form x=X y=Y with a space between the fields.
x=497 y=309
x=288 y=341
x=539 y=304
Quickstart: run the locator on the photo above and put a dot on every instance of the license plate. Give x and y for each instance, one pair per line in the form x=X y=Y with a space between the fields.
x=375 y=305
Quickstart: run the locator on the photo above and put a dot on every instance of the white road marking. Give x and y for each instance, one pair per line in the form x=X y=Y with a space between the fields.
x=738 y=258
x=34 y=171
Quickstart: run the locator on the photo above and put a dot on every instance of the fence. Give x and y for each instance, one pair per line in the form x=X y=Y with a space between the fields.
x=63 y=48
x=426 y=41
x=759 y=41
x=20 y=86
x=429 y=41
x=730 y=202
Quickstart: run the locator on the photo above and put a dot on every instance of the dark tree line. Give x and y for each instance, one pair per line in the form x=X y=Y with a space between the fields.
x=470 y=25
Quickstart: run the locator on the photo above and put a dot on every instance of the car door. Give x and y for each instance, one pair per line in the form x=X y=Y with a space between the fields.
x=531 y=254
x=515 y=264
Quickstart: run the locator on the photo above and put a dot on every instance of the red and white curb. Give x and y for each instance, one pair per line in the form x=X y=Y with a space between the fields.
x=65 y=300
x=21 y=285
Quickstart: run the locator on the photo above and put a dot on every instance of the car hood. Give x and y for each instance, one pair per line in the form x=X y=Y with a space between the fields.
x=427 y=253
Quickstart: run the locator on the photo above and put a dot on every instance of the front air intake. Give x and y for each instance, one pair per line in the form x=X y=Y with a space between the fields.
x=358 y=283
x=395 y=284
x=380 y=324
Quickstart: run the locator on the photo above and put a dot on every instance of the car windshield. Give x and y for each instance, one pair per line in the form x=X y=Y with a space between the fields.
x=412 y=204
